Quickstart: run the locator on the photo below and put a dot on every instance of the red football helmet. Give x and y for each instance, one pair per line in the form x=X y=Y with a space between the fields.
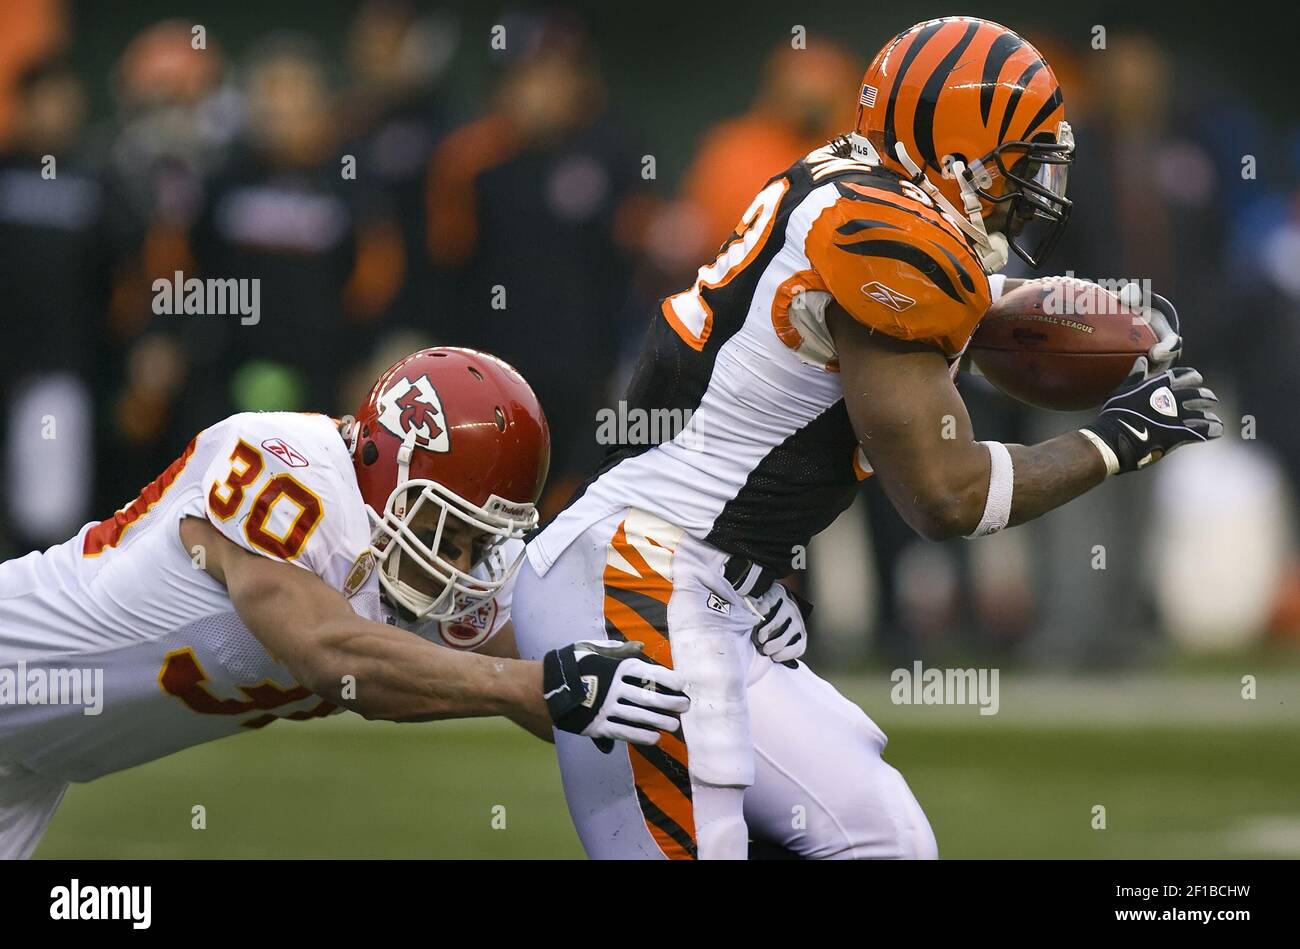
x=461 y=430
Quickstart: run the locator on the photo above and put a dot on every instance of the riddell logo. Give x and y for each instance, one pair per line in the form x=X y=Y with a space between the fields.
x=887 y=297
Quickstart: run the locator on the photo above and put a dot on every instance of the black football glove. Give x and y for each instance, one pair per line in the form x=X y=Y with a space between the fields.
x=1147 y=418
x=599 y=689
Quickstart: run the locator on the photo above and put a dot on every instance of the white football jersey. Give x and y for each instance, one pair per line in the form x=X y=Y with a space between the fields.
x=737 y=429
x=117 y=648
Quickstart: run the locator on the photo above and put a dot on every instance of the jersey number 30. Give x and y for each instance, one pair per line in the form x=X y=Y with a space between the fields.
x=225 y=500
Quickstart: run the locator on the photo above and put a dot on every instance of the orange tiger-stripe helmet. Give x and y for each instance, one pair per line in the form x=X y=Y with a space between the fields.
x=980 y=113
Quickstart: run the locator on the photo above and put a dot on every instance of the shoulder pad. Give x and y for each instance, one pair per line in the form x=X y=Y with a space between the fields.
x=896 y=264
x=280 y=485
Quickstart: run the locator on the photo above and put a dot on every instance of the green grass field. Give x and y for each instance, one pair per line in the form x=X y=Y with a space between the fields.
x=1183 y=765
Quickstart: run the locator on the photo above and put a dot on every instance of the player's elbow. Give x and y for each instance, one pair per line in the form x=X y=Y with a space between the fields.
x=937 y=523
x=325 y=666
x=323 y=674
x=940 y=514
x=948 y=500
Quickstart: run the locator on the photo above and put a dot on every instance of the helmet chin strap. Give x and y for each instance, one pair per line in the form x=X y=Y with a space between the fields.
x=992 y=249
x=394 y=560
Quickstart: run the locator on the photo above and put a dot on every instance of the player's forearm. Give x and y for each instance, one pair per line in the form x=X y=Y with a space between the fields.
x=371 y=668
x=1051 y=473
x=382 y=673
x=950 y=497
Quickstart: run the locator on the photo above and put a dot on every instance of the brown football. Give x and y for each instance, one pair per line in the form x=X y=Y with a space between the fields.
x=1059 y=343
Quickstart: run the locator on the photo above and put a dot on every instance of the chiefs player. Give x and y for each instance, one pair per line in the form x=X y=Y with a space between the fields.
x=259 y=576
x=815 y=350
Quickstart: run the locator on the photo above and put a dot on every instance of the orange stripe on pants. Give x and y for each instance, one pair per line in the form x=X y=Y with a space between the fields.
x=660 y=774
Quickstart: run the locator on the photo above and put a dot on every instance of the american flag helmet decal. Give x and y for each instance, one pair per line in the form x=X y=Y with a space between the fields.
x=868 y=97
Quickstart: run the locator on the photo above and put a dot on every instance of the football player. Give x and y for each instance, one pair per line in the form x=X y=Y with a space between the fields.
x=260 y=577
x=818 y=348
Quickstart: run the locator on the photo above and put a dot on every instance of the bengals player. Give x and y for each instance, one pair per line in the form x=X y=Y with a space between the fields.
x=265 y=574
x=817 y=349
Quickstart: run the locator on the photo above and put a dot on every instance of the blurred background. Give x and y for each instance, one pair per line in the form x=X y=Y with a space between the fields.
x=398 y=176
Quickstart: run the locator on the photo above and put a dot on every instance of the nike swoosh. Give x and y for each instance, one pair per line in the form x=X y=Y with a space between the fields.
x=1140 y=436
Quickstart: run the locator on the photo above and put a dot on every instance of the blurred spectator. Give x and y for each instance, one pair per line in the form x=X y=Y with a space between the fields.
x=805 y=98
x=55 y=261
x=394 y=116
x=1266 y=334
x=282 y=212
x=1146 y=184
x=175 y=117
x=1262 y=345
x=31 y=32
x=527 y=210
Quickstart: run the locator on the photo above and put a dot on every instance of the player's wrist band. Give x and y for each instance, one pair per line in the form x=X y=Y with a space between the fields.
x=1107 y=453
x=997 y=282
x=1002 y=479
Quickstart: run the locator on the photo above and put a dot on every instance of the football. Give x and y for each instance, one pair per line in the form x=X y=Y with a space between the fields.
x=1059 y=343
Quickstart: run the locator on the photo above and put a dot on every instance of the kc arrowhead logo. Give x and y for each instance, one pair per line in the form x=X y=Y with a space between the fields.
x=412 y=405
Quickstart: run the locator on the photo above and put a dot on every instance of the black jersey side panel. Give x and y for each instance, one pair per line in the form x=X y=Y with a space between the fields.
x=670 y=373
x=793 y=494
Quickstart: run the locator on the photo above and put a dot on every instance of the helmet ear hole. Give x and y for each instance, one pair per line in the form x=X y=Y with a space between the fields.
x=369 y=453
x=501 y=419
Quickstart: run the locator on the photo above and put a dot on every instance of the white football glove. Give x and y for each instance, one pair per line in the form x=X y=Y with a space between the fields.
x=1161 y=316
x=780 y=633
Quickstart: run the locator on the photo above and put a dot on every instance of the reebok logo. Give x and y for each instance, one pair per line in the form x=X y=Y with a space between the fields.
x=886 y=297
x=285 y=452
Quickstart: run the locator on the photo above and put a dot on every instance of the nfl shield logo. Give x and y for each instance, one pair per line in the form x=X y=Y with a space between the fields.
x=1162 y=400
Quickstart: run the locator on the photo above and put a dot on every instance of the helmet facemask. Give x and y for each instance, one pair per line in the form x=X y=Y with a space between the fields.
x=406 y=535
x=1035 y=173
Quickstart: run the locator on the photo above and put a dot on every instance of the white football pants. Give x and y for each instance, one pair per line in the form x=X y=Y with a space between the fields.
x=27 y=804
x=766 y=751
